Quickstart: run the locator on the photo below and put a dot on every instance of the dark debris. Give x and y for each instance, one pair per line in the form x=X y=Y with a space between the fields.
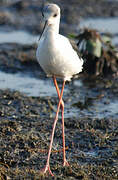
x=25 y=127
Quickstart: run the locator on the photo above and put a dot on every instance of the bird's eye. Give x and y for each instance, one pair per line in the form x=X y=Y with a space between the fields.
x=55 y=15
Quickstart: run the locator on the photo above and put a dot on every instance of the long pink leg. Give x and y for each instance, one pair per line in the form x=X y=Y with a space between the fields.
x=65 y=163
x=47 y=167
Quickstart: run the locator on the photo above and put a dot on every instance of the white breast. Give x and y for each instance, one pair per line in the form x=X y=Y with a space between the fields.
x=57 y=57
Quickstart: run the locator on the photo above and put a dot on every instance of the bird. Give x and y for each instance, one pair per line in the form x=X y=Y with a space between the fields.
x=58 y=59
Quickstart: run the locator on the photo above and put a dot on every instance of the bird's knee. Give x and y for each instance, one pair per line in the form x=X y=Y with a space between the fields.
x=62 y=103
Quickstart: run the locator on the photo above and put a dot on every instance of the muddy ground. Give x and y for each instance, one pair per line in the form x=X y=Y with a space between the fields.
x=25 y=127
x=26 y=122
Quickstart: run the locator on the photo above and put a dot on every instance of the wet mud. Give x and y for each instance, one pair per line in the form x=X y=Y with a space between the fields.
x=25 y=128
x=91 y=116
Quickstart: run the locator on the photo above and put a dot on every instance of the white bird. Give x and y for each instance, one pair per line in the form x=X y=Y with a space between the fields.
x=58 y=60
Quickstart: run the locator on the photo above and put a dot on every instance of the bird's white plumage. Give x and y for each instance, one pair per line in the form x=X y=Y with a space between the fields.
x=55 y=53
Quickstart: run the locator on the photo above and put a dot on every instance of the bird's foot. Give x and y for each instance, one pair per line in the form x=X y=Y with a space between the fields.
x=47 y=168
x=65 y=163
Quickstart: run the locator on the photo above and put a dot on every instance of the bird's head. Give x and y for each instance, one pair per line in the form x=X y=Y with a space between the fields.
x=51 y=14
x=51 y=17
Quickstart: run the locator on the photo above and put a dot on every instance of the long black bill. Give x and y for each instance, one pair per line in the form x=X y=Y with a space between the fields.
x=43 y=29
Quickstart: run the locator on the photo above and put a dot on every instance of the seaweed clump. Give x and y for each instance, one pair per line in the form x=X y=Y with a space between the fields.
x=101 y=57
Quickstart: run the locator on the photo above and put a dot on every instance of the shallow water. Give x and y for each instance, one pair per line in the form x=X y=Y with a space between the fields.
x=20 y=37
x=26 y=84
x=98 y=109
x=73 y=93
x=102 y=24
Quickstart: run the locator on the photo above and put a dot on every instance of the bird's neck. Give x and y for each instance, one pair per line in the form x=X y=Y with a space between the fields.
x=53 y=28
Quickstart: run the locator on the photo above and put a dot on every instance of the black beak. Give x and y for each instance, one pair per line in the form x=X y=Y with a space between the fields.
x=43 y=29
